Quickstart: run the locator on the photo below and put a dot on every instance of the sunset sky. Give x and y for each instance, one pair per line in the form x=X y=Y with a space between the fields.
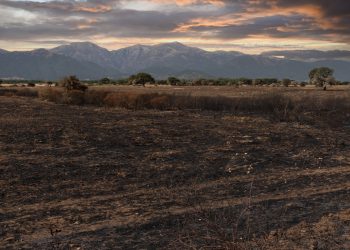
x=250 y=26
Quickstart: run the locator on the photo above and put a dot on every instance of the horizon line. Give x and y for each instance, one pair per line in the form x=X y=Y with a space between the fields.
x=165 y=43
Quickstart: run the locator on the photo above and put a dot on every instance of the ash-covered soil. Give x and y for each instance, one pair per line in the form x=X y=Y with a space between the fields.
x=95 y=178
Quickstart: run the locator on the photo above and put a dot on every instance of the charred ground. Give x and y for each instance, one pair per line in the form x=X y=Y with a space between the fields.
x=94 y=177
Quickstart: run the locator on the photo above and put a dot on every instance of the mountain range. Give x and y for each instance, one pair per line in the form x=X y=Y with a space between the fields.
x=89 y=61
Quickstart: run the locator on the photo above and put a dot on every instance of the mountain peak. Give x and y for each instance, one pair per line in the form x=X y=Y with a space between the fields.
x=84 y=44
x=85 y=51
x=41 y=52
x=139 y=46
x=175 y=45
x=79 y=45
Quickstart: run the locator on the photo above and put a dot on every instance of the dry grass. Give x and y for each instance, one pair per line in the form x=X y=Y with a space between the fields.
x=51 y=94
x=279 y=105
x=104 y=178
x=25 y=92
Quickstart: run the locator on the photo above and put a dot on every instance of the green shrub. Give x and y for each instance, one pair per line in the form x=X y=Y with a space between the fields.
x=141 y=79
x=286 y=82
x=173 y=81
x=162 y=82
x=105 y=81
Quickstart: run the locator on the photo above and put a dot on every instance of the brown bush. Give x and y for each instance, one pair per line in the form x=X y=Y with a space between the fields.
x=51 y=94
x=123 y=100
x=263 y=103
x=160 y=102
x=144 y=100
x=95 y=97
x=74 y=97
x=279 y=106
x=59 y=95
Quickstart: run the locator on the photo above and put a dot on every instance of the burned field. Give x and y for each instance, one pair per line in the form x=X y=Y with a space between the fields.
x=85 y=177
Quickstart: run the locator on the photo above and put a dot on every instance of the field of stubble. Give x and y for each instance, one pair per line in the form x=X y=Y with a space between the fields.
x=84 y=177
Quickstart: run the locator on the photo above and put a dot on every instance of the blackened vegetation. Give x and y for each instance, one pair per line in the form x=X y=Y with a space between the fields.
x=93 y=176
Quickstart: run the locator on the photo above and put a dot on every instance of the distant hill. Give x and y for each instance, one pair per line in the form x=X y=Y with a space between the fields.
x=45 y=65
x=89 y=61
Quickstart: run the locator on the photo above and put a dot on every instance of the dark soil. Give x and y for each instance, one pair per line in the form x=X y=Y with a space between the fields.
x=94 y=178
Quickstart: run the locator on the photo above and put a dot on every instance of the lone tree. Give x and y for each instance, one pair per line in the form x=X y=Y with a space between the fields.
x=321 y=77
x=141 y=79
x=173 y=81
x=72 y=83
x=105 y=81
x=286 y=82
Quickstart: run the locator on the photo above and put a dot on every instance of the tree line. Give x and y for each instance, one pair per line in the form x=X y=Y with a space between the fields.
x=321 y=77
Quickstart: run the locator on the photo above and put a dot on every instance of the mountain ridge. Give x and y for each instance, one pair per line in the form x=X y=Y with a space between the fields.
x=166 y=59
x=41 y=64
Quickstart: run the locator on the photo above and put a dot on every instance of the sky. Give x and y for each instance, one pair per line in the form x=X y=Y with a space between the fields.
x=251 y=26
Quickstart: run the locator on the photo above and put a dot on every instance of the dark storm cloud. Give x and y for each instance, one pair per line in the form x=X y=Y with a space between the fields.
x=44 y=30
x=315 y=19
x=272 y=26
x=59 y=20
x=63 y=7
x=84 y=24
x=330 y=8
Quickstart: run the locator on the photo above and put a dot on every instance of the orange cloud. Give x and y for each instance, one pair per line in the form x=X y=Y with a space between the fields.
x=313 y=11
x=86 y=24
x=95 y=8
x=199 y=22
x=256 y=11
x=189 y=2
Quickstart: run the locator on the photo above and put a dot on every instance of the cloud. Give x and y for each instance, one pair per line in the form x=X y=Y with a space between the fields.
x=276 y=19
x=209 y=20
x=191 y=2
x=64 y=7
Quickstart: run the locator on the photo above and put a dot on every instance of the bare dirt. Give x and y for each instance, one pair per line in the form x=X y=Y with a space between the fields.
x=95 y=178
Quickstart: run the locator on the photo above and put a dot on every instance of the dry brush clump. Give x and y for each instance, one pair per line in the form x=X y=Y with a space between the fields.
x=139 y=101
x=51 y=94
x=72 y=83
x=74 y=97
x=95 y=97
x=123 y=100
x=25 y=92
x=281 y=106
